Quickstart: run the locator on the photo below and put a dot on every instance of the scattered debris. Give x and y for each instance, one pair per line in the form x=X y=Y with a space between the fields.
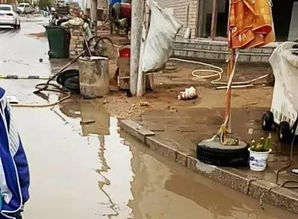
x=144 y=104
x=172 y=109
x=105 y=101
x=13 y=99
x=188 y=94
x=40 y=60
x=87 y=122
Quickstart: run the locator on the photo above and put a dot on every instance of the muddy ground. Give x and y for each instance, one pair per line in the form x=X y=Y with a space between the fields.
x=169 y=84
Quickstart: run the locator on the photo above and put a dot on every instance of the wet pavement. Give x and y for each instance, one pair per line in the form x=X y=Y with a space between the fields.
x=184 y=129
x=94 y=170
x=25 y=51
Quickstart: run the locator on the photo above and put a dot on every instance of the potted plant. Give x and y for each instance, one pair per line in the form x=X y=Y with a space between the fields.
x=259 y=152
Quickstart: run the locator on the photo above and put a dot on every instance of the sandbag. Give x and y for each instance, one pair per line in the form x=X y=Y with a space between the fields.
x=158 y=44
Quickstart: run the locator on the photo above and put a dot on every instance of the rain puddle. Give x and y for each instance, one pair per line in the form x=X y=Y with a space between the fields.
x=96 y=171
x=38 y=35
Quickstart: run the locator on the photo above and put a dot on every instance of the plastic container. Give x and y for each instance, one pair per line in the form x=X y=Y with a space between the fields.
x=258 y=160
x=59 y=39
x=124 y=52
x=94 y=76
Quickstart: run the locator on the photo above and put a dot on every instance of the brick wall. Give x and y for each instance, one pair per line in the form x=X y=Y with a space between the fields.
x=180 y=12
x=102 y=3
x=76 y=41
x=218 y=50
x=7 y=1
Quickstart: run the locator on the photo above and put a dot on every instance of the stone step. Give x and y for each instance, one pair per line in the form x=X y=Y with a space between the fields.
x=218 y=50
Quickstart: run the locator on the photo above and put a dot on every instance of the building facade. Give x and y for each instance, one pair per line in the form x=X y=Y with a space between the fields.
x=8 y=1
x=209 y=17
x=186 y=11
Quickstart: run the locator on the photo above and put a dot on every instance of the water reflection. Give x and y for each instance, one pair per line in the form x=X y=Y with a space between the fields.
x=134 y=182
x=88 y=110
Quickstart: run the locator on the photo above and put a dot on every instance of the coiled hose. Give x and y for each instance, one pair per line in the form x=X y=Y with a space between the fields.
x=215 y=73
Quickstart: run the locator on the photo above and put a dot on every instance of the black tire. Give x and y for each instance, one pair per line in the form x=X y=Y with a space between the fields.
x=69 y=79
x=284 y=132
x=223 y=157
x=267 y=121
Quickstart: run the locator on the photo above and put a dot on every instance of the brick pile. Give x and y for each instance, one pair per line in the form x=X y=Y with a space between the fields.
x=76 y=41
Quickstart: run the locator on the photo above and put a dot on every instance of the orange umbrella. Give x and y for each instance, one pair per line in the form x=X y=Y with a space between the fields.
x=250 y=25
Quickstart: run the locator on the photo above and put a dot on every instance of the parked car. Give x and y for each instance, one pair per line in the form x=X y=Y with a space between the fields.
x=25 y=8
x=8 y=16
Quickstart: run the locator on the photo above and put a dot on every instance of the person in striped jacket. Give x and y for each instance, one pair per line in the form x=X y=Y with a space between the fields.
x=14 y=170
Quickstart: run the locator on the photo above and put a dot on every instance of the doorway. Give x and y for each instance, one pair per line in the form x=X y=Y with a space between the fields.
x=285 y=13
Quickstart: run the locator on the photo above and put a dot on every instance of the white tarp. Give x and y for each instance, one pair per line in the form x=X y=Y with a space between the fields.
x=158 y=44
x=285 y=70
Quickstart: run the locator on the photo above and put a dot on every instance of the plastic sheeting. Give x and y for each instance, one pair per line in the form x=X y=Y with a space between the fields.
x=285 y=70
x=158 y=44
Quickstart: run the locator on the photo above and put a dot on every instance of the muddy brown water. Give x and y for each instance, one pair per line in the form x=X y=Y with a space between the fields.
x=96 y=171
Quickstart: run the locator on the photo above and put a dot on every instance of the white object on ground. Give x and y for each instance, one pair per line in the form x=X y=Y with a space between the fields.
x=158 y=44
x=188 y=94
x=12 y=99
x=258 y=160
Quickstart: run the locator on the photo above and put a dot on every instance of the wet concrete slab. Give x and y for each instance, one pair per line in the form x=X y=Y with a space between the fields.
x=22 y=53
x=177 y=134
x=97 y=171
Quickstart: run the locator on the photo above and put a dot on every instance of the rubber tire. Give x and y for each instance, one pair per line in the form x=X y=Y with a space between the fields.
x=223 y=157
x=284 y=132
x=69 y=79
x=267 y=121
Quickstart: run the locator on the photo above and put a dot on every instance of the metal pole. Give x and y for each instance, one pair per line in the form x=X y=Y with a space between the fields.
x=137 y=17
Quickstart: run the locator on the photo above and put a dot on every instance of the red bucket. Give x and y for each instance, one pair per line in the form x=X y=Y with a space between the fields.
x=125 y=52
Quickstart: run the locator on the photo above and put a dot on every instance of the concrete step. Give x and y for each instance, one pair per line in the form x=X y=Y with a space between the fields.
x=218 y=50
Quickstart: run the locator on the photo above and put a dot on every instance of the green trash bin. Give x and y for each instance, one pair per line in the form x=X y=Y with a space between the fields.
x=59 y=38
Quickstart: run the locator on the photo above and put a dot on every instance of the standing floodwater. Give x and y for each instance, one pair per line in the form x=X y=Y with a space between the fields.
x=91 y=171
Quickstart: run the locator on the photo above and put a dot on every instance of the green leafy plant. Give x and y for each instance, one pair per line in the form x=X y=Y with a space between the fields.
x=262 y=144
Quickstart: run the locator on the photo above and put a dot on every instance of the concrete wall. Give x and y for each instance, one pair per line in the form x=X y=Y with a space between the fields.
x=180 y=12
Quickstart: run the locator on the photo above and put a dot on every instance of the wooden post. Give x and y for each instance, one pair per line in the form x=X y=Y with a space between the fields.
x=93 y=12
x=214 y=19
x=137 y=17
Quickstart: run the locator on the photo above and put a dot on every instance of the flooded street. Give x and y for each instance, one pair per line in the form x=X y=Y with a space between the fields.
x=83 y=167
x=20 y=51
x=93 y=171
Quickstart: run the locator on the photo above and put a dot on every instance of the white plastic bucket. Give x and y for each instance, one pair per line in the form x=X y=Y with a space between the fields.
x=258 y=160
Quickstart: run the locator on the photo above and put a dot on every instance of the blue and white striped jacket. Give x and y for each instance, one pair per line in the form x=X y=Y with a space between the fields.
x=14 y=171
